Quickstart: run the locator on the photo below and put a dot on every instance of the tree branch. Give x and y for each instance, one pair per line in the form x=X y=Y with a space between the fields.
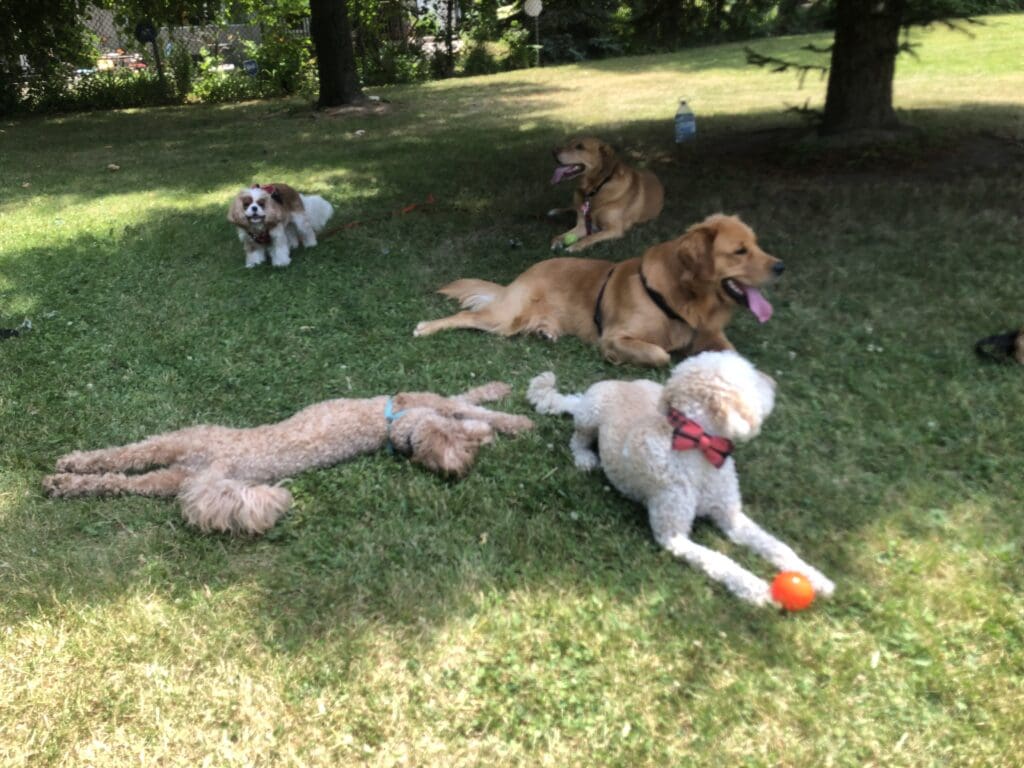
x=781 y=65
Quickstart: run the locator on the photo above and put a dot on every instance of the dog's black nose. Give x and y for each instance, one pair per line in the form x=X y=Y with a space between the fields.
x=778 y=268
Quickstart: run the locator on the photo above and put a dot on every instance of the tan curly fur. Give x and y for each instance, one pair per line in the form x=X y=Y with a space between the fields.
x=226 y=478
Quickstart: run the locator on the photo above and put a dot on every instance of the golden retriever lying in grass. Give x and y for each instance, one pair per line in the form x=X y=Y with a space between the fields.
x=611 y=197
x=678 y=296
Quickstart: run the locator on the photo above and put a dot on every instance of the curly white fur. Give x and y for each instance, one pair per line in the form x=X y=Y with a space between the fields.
x=728 y=397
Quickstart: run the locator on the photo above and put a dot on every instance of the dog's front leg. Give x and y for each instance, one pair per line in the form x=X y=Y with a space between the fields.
x=255 y=254
x=279 y=250
x=671 y=518
x=709 y=341
x=597 y=237
x=742 y=530
x=739 y=581
x=576 y=235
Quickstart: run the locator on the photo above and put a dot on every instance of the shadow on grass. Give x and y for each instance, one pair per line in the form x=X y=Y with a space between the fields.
x=161 y=326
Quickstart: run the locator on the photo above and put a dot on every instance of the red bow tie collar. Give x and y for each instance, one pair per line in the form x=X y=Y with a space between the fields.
x=688 y=434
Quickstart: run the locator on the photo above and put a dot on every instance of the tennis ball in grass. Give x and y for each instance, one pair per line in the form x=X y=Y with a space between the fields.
x=792 y=591
x=570 y=238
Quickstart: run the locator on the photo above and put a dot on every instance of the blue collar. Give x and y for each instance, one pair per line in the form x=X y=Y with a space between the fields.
x=391 y=417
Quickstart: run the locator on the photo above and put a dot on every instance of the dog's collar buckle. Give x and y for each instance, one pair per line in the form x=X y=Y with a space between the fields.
x=391 y=416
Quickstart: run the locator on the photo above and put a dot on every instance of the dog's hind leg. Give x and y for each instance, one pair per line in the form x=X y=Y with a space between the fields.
x=742 y=530
x=159 y=482
x=480 y=320
x=305 y=229
x=156 y=451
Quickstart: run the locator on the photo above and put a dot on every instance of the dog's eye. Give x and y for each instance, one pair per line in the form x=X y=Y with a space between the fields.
x=246 y=202
x=741 y=251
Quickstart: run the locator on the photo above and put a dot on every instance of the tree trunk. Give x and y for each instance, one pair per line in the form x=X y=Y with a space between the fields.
x=331 y=32
x=449 y=43
x=863 y=64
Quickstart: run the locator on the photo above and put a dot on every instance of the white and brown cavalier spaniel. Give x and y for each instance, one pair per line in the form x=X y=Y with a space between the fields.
x=277 y=217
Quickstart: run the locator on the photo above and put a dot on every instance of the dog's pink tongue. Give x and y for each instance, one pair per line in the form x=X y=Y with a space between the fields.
x=561 y=172
x=758 y=304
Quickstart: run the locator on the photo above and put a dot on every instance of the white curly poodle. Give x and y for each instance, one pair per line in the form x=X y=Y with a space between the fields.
x=669 y=449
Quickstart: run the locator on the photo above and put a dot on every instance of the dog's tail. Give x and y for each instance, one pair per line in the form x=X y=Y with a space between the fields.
x=318 y=211
x=213 y=502
x=543 y=394
x=473 y=294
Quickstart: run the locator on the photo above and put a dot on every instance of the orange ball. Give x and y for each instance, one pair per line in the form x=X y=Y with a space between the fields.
x=792 y=591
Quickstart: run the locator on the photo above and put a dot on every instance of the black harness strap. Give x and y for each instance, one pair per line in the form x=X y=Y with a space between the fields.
x=588 y=196
x=658 y=299
x=598 y=320
x=595 y=190
x=999 y=347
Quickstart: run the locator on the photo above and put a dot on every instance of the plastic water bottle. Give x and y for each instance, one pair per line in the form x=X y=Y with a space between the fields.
x=686 y=123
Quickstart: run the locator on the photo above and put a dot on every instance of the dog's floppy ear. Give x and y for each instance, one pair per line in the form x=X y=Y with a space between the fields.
x=608 y=156
x=442 y=445
x=236 y=213
x=695 y=254
x=730 y=409
x=275 y=212
x=683 y=261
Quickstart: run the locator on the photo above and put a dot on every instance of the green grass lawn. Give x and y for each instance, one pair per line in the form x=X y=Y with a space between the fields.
x=523 y=616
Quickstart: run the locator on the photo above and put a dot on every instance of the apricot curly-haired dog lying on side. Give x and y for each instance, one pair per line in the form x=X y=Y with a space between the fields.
x=677 y=297
x=610 y=198
x=223 y=476
x=670 y=448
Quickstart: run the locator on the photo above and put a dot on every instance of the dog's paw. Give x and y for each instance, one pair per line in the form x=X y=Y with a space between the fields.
x=762 y=596
x=513 y=425
x=77 y=461
x=823 y=586
x=59 y=484
x=422 y=328
x=281 y=262
x=492 y=390
x=587 y=461
x=557 y=243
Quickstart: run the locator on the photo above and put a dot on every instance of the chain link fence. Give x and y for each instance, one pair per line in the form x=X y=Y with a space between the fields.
x=146 y=66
